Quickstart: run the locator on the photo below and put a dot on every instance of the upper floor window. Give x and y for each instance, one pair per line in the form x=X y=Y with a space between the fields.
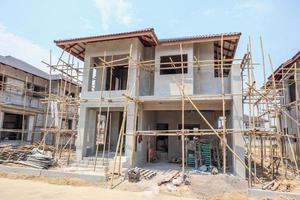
x=173 y=64
x=38 y=91
x=108 y=73
x=292 y=91
x=116 y=78
x=2 y=81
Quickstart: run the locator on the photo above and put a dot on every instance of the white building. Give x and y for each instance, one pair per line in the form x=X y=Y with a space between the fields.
x=22 y=112
x=155 y=87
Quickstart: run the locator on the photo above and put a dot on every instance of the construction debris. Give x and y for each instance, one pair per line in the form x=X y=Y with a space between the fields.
x=214 y=171
x=268 y=185
x=167 y=178
x=27 y=155
x=136 y=173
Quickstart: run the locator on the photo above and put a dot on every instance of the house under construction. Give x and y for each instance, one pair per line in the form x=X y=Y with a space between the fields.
x=141 y=96
x=285 y=80
x=188 y=101
x=23 y=109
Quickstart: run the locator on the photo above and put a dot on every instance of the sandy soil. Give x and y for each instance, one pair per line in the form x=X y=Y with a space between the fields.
x=28 y=189
x=204 y=187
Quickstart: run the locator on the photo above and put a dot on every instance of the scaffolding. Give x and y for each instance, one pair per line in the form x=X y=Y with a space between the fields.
x=26 y=91
x=62 y=104
x=265 y=147
x=262 y=103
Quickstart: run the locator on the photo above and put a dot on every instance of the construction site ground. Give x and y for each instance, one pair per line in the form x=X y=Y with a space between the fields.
x=206 y=187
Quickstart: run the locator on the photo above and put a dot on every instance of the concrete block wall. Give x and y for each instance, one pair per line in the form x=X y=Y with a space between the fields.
x=165 y=85
x=237 y=122
x=205 y=83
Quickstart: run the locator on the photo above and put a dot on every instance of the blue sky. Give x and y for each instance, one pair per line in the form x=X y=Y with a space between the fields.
x=28 y=28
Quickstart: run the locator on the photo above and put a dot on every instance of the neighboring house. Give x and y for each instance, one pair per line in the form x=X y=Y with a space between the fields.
x=22 y=112
x=156 y=90
x=258 y=121
x=287 y=82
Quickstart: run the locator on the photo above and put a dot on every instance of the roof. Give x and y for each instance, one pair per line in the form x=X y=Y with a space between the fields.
x=201 y=38
x=26 y=67
x=76 y=46
x=256 y=118
x=283 y=68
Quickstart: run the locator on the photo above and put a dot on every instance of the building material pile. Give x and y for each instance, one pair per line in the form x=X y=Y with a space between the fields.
x=27 y=155
x=176 y=178
x=135 y=174
x=9 y=152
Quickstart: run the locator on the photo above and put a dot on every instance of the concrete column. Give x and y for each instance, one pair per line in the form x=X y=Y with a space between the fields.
x=130 y=140
x=86 y=80
x=237 y=121
x=30 y=126
x=1 y=121
x=85 y=142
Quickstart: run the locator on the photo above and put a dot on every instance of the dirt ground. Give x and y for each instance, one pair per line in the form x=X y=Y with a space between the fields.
x=204 y=187
x=33 y=190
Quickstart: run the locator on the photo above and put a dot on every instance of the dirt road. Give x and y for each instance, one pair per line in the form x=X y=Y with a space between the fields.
x=33 y=190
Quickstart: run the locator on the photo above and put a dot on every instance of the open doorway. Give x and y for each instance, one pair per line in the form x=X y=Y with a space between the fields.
x=116 y=78
x=162 y=143
x=13 y=122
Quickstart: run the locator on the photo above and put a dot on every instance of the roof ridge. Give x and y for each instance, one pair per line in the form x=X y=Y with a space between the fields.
x=105 y=35
x=202 y=35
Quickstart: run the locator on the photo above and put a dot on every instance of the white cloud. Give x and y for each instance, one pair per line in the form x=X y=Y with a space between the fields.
x=255 y=5
x=115 y=11
x=22 y=48
x=208 y=12
x=86 y=24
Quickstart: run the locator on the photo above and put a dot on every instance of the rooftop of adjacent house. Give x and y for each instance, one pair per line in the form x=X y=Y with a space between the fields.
x=283 y=69
x=255 y=118
x=76 y=46
x=26 y=67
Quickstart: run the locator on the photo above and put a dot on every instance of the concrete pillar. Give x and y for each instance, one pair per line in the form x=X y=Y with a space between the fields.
x=85 y=142
x=1 y=121
x=130 y=128
x=237 y=121
x=86 y=78
x=30 y=126
x=130 y=139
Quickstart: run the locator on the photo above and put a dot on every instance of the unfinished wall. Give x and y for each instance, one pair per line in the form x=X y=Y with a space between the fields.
x=165 y=85
x=204 y=80
x=237 y=121
x=147 y=73
x=107 y=49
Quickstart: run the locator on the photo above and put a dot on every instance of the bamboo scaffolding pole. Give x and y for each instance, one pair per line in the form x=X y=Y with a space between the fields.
x=24 y=106
x=297 y=108
x=214 y=131
x=100 y=114
x=108 y=115
x=249 y=121
x=122 y=129
x=223 y=108
x=182 y=112
x=43 y=142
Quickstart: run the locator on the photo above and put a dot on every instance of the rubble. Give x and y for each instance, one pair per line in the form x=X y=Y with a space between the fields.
x=134 y=175
x=27 y=155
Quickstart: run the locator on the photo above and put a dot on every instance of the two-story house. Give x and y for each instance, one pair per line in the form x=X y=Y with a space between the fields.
x=23 y=109
x=286 y=80
x=139 y=71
